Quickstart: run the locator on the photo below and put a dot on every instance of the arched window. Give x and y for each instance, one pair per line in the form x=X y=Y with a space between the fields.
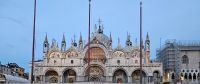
x=185 y=59
x=136 y=61
x=96 y=54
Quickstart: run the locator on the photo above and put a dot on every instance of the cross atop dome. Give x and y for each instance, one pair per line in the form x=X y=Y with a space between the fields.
x=100 y=21
x=100 y=30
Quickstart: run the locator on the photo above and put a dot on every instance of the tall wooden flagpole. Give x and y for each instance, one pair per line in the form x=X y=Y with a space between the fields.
x=141 y=42
x=33 y=46
x=89 y=38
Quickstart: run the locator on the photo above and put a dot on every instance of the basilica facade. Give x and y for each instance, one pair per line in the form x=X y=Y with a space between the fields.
x=106 y=64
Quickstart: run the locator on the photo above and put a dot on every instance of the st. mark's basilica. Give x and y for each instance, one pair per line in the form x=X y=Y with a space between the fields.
x=107 y=64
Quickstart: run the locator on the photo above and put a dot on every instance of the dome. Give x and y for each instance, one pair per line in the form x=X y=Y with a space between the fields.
x=100 y=37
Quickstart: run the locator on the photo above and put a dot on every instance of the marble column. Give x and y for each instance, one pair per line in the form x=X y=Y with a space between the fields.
x=60 y=79
x=129 y=79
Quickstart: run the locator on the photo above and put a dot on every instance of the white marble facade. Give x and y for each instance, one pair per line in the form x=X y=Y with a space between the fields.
x=107 y=64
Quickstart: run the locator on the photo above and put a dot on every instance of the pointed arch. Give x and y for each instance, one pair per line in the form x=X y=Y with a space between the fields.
x=71 y=52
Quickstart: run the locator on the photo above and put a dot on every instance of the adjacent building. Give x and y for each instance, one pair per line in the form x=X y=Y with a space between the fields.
x=16 y=69
x=12 y=73
x=4 y=69
x=181 y=60
x=106 y=64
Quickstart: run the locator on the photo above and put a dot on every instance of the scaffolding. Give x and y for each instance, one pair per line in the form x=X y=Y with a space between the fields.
x=169 y=55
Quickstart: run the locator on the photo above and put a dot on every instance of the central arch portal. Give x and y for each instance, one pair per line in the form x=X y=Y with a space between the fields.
x=95 y=74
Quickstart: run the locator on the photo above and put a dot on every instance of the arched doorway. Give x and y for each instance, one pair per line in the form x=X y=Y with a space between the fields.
x=136 y=76
x=156 y=77
x=51 y=76
x=69 y=76
x=194 y=76
x=186 y=76
x=120 y=76
x=173 y=76
x=95 y=74
x=185 y=59
x=190 y=76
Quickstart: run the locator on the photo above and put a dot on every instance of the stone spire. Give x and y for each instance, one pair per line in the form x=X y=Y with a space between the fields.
x=54 y=44
x=57 y=45
x=63 y=44
x=74 y=42
x=147 y=48
x=46 y=39
x=136 y=43
x=147 y=43
x=45 y=45
x=128 y=40
x=80 y=40
x=95 y=28
x=110 y=37
x=147 y=37
x=118 y=45
x=110 y=40
x=63 y=39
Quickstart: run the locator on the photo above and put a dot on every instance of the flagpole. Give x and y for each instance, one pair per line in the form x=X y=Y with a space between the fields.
x=89 y=38
x=33 y=46
x=140 y=41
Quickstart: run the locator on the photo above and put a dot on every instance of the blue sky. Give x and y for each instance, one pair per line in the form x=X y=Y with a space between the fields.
x=166 y=19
